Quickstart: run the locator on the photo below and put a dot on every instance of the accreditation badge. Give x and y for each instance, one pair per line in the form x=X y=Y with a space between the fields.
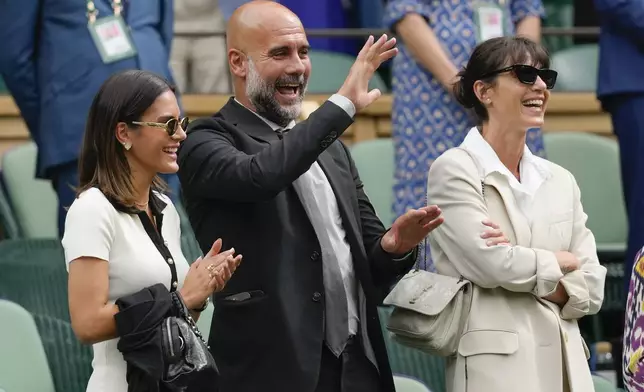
x=489 y=20
x=112 y=38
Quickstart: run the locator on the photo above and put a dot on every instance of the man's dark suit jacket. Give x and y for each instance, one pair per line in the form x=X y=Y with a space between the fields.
x=237 y=176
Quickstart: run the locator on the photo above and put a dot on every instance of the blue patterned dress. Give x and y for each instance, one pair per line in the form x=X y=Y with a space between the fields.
x=426 y=120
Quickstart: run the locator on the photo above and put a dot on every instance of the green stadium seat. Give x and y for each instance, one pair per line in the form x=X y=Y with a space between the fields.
x=428 y=369
x=23 y=363
x=189 y=244
x=577 y=67
x=408 y=384
x=10 y=228
x=329 y=71
x=374 y=160
x=34 y=276
x=34 y=201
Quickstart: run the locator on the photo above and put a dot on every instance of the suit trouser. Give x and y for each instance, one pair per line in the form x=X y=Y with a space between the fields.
x=351 y=372
x=65 y=181
x=627 y=115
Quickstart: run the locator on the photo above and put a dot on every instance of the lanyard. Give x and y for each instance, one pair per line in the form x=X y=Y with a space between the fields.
x=92 y=12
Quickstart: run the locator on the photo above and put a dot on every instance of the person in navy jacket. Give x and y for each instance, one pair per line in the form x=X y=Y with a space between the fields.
x=621 y=91
x=53 y=66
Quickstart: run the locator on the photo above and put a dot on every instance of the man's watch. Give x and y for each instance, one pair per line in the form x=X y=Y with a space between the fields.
x=203 y=307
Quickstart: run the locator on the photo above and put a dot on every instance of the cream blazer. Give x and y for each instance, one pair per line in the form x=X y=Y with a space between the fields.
x=515 y=341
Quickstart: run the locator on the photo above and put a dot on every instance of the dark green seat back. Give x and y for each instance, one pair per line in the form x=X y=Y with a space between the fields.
x=34 y=276
x=429 y=369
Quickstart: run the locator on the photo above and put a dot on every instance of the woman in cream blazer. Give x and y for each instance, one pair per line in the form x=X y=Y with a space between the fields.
x=522 y=333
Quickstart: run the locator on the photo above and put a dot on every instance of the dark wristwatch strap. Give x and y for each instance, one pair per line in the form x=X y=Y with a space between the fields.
x=203 y=307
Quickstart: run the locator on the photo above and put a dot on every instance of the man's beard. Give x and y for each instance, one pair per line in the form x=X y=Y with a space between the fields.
x=262 y=95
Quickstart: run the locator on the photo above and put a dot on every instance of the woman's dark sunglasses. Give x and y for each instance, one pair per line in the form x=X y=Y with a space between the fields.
x=527 y=74
x=171 y=126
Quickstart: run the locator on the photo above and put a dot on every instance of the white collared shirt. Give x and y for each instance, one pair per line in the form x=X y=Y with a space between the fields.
x=533 y=170
x=321 y=206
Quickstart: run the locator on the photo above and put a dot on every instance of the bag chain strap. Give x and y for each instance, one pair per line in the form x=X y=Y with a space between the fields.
x=422 y=253
x=185 y=314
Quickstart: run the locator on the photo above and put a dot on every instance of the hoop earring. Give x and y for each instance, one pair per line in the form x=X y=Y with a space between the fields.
x=127 y=145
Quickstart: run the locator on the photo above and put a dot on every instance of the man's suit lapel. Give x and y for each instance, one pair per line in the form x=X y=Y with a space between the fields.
x=248 y=121
x=349 y=212
x=345 y=202
x=519 y=222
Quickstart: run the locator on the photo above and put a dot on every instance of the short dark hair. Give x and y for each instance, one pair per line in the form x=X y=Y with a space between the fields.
x=124 y=97
x=490 y=56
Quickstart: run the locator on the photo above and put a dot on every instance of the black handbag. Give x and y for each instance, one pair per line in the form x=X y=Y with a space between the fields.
x=189 y=365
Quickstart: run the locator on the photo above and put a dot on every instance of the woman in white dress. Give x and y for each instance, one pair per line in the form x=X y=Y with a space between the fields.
x=122 y=234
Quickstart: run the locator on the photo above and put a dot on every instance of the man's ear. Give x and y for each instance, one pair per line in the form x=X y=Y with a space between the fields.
x=237 y=62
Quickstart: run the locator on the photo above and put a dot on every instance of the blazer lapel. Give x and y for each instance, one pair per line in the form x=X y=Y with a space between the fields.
x=519 y=222
x=349 y=213
x=330 y=169
x=244 y=119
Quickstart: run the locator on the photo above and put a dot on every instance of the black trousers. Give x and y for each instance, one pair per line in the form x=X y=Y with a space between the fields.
x=351 y=372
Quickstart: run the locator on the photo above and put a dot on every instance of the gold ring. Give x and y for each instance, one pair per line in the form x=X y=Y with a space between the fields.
x=210 y=267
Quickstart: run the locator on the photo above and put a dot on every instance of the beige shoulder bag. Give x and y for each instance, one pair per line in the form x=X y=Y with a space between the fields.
x=430 y=310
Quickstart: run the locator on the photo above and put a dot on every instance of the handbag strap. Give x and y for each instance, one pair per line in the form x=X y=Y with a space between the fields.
x=422 y=254
x=184 y=313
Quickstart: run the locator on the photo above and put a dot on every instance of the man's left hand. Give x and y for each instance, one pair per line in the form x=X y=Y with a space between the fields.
x=410 y=229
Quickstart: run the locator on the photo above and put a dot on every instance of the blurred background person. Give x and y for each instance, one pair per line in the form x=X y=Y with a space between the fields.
x=620 y=89
x=199 y=63
x=436 y=40
x=54 y=59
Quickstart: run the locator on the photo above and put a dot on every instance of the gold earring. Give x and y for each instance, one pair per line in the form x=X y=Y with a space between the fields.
x=127 y=145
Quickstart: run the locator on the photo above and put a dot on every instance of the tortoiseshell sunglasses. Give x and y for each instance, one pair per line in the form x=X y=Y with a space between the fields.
x=170 y=126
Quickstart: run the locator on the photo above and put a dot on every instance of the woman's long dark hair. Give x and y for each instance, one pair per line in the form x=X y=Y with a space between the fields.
x=124 y=97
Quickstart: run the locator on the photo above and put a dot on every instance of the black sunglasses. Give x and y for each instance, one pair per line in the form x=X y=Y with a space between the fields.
x=527 y=74
x=170 y=126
